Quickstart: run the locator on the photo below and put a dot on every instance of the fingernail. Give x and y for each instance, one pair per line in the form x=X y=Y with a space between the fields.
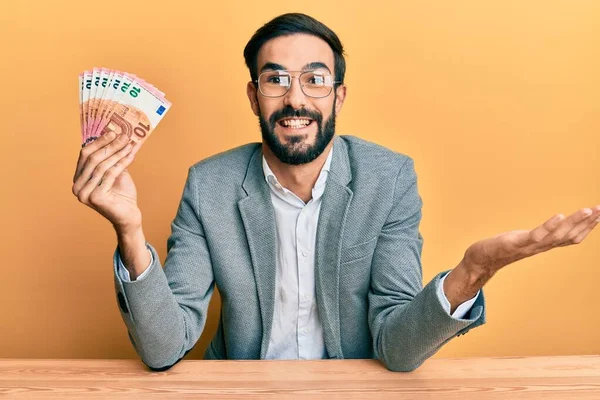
x=587 y=213
x=111 y=135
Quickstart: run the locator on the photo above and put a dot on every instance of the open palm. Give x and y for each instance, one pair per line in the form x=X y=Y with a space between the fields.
x=498 y=251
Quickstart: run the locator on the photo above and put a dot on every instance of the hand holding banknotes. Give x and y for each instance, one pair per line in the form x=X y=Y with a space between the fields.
x=102 y=182
x=118 y=112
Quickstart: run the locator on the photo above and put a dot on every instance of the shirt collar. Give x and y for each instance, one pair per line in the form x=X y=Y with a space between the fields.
x=322 y=175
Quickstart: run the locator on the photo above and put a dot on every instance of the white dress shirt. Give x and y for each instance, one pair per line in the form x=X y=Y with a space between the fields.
x=297 y=332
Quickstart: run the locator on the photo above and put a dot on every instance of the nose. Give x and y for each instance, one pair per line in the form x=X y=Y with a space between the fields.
x=295 y=97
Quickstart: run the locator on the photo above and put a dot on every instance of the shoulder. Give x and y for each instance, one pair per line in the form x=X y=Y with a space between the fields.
x=367 y=156
x=227 y=165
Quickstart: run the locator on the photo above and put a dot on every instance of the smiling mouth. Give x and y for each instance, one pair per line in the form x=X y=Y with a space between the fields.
x=295 y=123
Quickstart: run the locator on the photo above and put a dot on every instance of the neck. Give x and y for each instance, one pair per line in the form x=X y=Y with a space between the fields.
x=300 y=179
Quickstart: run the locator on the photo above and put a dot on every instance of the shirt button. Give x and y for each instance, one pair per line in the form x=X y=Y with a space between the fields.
x=304 y=331
x=304 y=254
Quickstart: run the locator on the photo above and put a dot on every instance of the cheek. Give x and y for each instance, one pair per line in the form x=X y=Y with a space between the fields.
x=266 y=108
x=325 y=107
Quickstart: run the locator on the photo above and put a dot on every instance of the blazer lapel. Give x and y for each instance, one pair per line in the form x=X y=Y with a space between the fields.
x=258 y=216
x=334 y=208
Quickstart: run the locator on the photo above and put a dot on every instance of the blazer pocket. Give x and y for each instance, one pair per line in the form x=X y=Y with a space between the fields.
x=358 y=251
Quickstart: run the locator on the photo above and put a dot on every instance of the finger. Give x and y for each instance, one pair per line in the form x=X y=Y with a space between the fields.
x=90 y=149
x=577 y=234
x=579 y=238
x=99 y=173
x=538 y=234
x=136 y=147
x=559 y=234
x=96 y=158
x=554 y=230
x=112 y=174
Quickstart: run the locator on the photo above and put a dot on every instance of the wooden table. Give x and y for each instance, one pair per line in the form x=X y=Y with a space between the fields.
x=568 y=377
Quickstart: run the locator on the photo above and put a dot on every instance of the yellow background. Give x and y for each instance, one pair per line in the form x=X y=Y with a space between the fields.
x=497 y=102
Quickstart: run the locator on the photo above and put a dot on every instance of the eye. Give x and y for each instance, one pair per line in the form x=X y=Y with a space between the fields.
x=277 y=79
x=317 y=79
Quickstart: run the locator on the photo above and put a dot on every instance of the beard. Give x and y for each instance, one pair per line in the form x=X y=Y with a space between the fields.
x=290 y=153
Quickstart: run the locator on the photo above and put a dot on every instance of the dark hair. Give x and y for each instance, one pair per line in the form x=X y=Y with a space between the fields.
x=289 y=24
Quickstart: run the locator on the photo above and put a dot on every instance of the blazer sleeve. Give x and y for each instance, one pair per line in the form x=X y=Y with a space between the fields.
x=165 y=312
x=407 y=321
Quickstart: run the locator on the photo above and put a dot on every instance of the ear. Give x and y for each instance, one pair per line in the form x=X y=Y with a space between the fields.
x=253 y=97
x=340 y=96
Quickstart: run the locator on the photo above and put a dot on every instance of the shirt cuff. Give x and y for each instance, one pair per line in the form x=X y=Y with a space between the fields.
x=462 y=309
x=124 y=273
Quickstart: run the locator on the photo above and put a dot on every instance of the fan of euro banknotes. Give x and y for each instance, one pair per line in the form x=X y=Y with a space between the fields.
x=120 y=102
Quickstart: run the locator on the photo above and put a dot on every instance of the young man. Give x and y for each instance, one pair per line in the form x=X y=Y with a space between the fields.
x=313 y=239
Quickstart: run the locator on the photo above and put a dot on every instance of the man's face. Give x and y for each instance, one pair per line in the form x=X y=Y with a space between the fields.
x=301 y=141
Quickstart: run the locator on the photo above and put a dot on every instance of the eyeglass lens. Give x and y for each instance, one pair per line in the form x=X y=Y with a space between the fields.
x=312 y=83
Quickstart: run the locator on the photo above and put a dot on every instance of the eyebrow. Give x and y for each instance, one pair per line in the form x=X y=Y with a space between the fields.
x=310 y=66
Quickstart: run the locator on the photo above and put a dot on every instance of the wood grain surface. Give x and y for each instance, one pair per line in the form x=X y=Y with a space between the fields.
x=561 y=377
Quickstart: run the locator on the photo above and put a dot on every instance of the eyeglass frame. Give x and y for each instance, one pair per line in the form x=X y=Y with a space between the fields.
x=256 y=81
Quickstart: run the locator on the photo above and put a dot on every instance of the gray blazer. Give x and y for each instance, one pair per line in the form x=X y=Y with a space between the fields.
x=369 y=290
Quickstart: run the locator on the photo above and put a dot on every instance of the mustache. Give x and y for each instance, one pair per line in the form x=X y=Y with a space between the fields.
x=289 y=112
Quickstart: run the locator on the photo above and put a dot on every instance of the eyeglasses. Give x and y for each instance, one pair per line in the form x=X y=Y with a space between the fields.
x=277 y=83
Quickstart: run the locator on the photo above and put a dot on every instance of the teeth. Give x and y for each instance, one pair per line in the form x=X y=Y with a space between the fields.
x=295 y=123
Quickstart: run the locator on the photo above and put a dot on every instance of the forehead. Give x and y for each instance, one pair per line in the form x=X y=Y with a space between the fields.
x=295 y=51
